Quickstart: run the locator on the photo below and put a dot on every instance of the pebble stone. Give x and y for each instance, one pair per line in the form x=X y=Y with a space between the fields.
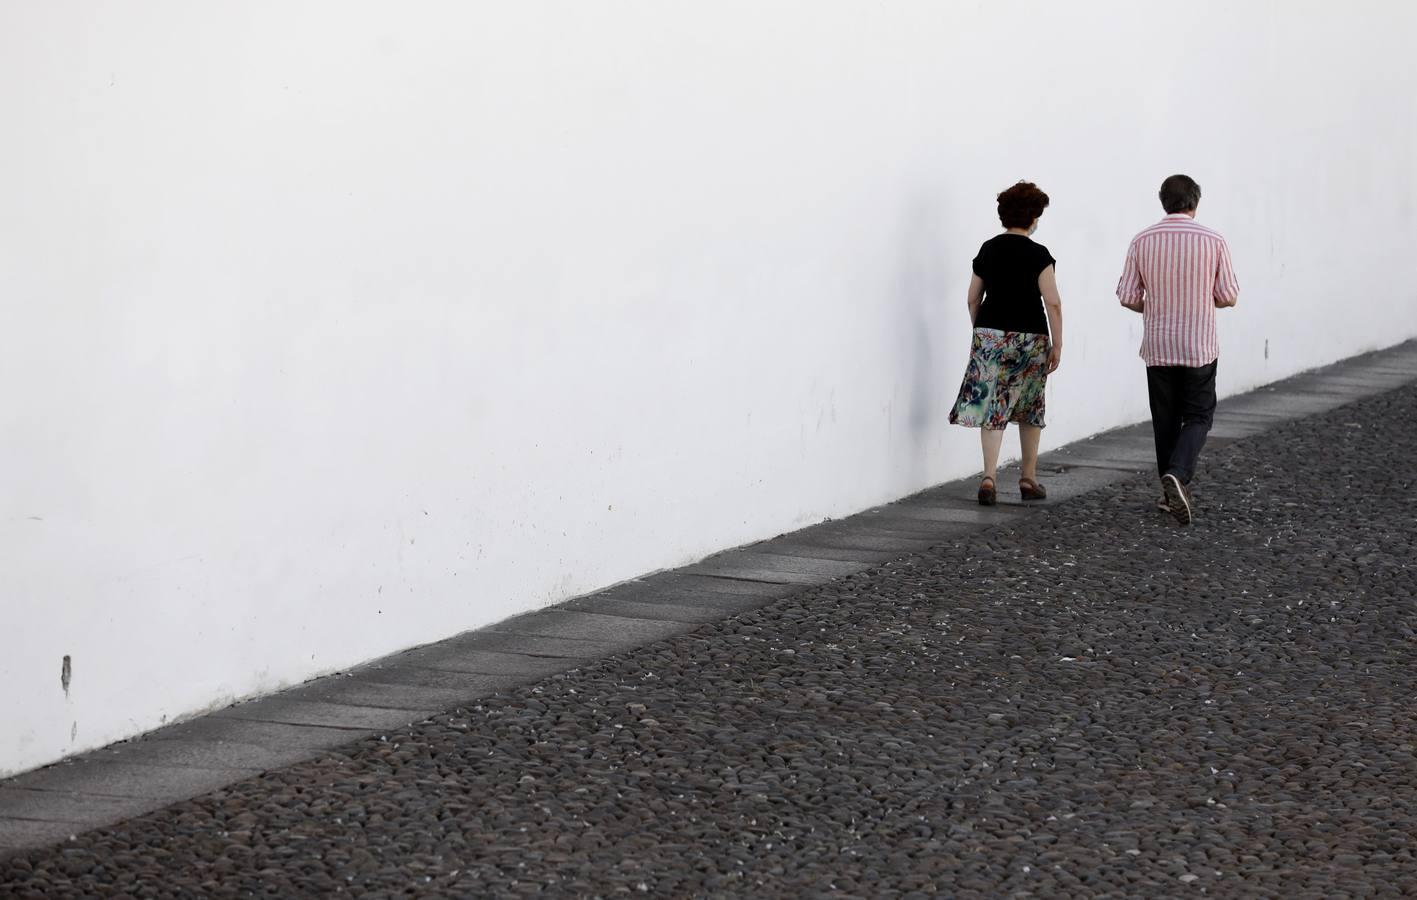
x=1091 y=701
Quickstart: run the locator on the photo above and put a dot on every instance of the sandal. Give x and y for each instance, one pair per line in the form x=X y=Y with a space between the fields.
x=1031 y=490
x=987 y=494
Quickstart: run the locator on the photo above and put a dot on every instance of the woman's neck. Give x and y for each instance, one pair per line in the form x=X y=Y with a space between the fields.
x=1023 y=231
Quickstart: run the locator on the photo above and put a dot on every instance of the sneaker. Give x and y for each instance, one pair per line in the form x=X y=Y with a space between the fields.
x=1164 y=505
x=1177 y=503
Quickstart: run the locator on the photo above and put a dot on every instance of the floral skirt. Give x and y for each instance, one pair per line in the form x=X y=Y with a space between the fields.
x=1004 y=382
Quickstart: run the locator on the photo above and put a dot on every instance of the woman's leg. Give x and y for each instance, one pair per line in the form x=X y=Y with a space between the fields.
x=991 y=440
x=1028 y=436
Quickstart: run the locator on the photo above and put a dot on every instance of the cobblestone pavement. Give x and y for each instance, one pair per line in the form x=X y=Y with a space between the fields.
x=1093 y=702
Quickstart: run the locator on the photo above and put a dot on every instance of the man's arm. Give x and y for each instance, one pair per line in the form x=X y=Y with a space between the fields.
x=1227 y=286
x=976 y=296
x=1131 y=290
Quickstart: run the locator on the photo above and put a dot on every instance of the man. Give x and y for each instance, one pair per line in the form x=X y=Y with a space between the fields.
x=1177 y=274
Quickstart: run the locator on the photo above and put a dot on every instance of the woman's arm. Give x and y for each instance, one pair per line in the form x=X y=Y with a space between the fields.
x=976 y=296
x=1053 y=305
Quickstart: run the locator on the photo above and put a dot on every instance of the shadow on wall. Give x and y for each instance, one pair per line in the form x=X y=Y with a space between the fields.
x=921 y=298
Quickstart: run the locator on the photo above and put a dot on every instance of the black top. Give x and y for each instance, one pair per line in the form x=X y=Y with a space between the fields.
x=1010 y=265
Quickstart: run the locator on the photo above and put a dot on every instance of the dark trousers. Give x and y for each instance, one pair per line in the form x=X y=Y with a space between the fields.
x=1182 y=408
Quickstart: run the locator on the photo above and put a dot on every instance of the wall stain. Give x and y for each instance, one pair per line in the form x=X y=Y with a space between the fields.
x=66 y=674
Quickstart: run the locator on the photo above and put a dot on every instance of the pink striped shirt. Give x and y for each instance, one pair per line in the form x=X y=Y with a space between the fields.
x=1177 y=273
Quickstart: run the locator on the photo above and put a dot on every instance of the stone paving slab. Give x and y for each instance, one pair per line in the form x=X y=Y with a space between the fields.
x=743 y=572
x=1226 y=426
x=841 y=554
x=1264 y=421
x=1283 y=406
x=824 y=569
x=1333 y=398
x=404 y=699
x=1137 y=449
x=209 y=754
x=954 y=512
x=665 y=610
x=292 y=728
x=26 y=834
x=652 y=594
x=860 y=531
x=454 y=657
x=1236 y=432
x=397 y=673
x=1398 y=370
x=973 y=515
x=869 y=543
x=1372 y=374
x=93 y=810
x=1396 y=359
x=281 y=708
x=1130 y=466
x=1346 y=377
x=275 y=736
x=117 y=779
x=543 y=646
x=613 y=630
x=716 y=584
x=903 y=520
x=1348 y=387
x=1109 y=457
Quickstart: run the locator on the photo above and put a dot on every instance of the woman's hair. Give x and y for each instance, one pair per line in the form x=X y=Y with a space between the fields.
x=1021 y=204
x=1179 y=194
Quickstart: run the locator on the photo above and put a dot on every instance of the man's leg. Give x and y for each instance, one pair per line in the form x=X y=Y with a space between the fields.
x=1196 y=406
x=1165 y=417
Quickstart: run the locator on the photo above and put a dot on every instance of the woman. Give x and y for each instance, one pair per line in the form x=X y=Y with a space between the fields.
x=1014 y=305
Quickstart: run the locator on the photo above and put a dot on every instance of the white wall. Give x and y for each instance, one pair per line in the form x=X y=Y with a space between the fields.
x=330 y=328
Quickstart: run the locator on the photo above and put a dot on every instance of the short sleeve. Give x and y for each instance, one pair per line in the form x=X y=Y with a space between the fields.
x=1045 y=259
x=979 y=263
